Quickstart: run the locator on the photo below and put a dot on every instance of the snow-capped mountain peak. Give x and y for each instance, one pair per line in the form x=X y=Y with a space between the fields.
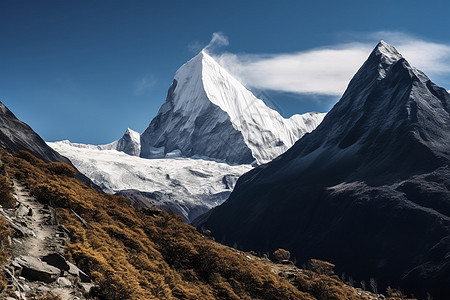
x=387 y=116
x=129 y=143
x=210 y=113
x=388 y=51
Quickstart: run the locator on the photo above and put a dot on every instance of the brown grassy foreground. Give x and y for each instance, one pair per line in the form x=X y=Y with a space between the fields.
x=144 y=254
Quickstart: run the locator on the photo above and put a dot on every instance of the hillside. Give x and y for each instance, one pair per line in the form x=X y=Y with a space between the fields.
x=149 y=254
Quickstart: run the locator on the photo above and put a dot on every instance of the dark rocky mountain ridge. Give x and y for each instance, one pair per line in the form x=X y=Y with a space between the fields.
x=369 y=189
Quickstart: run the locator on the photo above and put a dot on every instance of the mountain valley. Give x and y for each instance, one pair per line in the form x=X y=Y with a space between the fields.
x=367 y=190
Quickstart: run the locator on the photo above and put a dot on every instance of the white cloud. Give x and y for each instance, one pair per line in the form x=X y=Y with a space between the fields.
x=328 y=70
x=143 y=85
x=218 y=40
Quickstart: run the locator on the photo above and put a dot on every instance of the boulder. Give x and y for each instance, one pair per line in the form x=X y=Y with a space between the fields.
x=56 y=260
x=35 y=269
x=75 y=271
x=21 y=210
x=87 y=287
x=63 y=282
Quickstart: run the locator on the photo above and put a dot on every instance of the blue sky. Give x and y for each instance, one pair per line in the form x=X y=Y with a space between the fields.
x=87 y=70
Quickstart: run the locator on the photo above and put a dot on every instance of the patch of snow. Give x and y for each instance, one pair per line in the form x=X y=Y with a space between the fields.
x=174 y=153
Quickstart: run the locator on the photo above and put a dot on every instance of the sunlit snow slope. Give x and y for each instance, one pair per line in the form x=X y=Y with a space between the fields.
x=186 y=186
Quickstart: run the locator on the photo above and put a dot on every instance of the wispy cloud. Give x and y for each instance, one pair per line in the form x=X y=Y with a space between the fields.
x=218 y=39
x=144 y=84
x=328 y=70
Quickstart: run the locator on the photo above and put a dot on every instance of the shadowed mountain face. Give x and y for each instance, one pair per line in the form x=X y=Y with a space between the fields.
x=15 y=135
x=369 y=189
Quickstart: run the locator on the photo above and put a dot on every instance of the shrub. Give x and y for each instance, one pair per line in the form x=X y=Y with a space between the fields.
x=320 y=267
x=324 y=287
x=25 y=155
x=60 y=168
x=281 y=254
x=6 y=198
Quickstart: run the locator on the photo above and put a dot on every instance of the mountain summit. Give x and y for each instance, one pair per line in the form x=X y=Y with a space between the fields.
x=390 y=115
x=210 y=113
x=369 y=189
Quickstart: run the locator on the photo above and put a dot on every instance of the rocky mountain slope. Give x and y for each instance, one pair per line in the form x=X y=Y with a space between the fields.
x=15 y=135
x=369 y=189
x=210 y=113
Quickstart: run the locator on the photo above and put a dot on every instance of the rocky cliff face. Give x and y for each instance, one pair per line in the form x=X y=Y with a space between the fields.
x=369 y=189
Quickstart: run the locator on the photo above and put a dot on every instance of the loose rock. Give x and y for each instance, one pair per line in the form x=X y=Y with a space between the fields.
x=35 y=269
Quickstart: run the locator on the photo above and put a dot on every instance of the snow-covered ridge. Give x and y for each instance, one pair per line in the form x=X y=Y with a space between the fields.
x=210 y=113
x=130 y=143
x=246 y=111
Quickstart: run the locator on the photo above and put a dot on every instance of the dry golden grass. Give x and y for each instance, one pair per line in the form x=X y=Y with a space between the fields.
x=5 y=232
x=6 y=198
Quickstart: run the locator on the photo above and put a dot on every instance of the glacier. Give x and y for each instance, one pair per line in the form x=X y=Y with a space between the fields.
x=186 y=186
